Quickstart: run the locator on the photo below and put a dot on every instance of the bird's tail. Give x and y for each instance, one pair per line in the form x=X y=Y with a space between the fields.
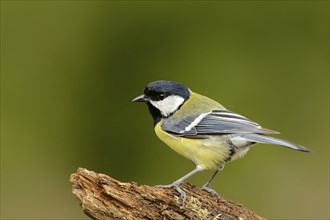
x=260 y=138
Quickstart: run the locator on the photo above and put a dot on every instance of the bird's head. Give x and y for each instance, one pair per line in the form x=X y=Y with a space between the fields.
x=164 y=96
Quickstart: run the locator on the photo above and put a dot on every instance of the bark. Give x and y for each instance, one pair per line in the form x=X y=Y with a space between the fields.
x=102 y=197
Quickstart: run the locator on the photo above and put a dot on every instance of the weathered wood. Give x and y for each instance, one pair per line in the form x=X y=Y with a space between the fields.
x=103 y=197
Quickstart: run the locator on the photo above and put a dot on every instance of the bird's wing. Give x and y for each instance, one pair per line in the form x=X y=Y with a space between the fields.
x=214 y=122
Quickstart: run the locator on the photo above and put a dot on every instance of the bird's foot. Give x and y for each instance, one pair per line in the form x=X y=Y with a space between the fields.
x=212 y=191
x=182 y=193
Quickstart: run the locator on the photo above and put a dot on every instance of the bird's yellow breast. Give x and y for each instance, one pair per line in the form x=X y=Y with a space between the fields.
x=208 y=152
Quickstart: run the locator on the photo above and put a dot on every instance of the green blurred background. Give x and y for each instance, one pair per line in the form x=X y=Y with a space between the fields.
x=69 y=70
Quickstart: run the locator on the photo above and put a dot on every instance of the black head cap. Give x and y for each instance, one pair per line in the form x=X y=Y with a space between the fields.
x=159 y=90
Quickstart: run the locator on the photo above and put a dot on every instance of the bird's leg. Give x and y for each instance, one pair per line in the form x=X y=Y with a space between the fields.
x=206 y=186
x=176 y=183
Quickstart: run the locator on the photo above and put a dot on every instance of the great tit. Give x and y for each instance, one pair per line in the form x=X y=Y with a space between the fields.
x=201 y=129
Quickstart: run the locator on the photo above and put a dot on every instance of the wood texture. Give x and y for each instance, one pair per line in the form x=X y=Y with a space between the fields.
x=102 y=197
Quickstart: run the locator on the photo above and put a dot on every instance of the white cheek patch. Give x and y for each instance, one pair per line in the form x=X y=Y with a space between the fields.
x=168 y=105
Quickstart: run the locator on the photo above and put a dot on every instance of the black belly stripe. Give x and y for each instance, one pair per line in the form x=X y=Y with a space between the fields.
x=231 y=153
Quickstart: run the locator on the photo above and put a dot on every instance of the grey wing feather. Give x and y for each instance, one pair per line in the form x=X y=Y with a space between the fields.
x=178 y=127
x=215 y=122
x=259 y=138
x=226 y=122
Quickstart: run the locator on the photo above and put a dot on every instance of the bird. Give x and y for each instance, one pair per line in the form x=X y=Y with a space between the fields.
x=202 y=130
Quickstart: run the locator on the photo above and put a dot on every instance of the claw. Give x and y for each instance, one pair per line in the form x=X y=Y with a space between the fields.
x=182 y=193
x=212 y=191
x=206 y=186
x=176 y=184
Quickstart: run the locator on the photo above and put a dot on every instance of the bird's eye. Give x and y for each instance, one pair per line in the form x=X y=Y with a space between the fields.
x=161 y=96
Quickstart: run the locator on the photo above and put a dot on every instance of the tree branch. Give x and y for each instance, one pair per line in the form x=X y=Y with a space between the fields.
x=103 y=197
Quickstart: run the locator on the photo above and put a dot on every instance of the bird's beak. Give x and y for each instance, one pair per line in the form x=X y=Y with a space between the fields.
x=140 y=98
